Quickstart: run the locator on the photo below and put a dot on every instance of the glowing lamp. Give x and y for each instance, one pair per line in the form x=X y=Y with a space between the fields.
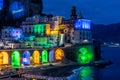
x=82 y=24
x=17 y=9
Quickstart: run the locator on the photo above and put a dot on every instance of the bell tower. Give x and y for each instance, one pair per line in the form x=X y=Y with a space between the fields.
x=73 y=13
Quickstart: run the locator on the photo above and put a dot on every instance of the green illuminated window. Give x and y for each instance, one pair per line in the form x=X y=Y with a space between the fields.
x=15 y=59
x=44 y=56
x=39 y=28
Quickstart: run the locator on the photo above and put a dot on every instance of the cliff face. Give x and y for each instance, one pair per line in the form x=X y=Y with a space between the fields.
x=109 y=33
x=32 y=7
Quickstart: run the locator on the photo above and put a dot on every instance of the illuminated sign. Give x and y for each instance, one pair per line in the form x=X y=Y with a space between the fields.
x=82 y=24
x=1 y=4
x=17 y=9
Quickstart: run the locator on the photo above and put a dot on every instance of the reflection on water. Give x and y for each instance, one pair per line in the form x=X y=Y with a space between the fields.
x=83 y=73
x=110 y=72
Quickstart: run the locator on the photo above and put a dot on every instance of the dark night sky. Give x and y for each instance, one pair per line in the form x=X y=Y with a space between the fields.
x=99 y=11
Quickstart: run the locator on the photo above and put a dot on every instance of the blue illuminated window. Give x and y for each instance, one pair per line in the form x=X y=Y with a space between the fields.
x=82 y=24
x=26 y=58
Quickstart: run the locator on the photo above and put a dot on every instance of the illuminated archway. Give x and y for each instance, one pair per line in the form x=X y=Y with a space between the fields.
x=5 y=58
x=16 y=59
x=59 y=54
x=51 y=56
x=44 y=56
x=26 y=58
x=1 y=59
x=36 y=57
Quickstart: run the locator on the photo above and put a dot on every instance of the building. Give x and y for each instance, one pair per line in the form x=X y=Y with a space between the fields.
x=11 y=33
x=82 y=33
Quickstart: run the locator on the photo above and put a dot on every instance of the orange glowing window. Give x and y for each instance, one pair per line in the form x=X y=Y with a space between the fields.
x=59 y=54
x=48 y=29
x=4 y=58
x=1 y=59
x=54 y=33
x=36 y=57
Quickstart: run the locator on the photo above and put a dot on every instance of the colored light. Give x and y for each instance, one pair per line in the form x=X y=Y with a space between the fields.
x=44 y=56
x=42 y=40
x=86 y=73
x=82 y=24
x=61 y=39
x=17 y=9
x=39 y=28
x=26 y=58
x=1 y=4
x=1 y=59
x=51 y=56
x=15 y=59
x=59 y=54
x=36 y=57
x=16 y=33
x=83 y=50
x=4 y=58
x=48 y=29
x=54 y=32
x=31 y=38
x=85 y=54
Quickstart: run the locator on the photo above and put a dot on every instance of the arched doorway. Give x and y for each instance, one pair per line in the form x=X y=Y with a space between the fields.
x=5 y=58
x=16 y=59
x=26 y=58
x=1 y=59
x=36 y=57
x=51 y=56
x=59 y=54
x=44 y=56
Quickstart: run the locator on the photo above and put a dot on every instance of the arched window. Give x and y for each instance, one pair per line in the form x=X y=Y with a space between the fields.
x=36 y=57
x=15 y=59
x=44 y=56
x=26 y=58
x=59 y=54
